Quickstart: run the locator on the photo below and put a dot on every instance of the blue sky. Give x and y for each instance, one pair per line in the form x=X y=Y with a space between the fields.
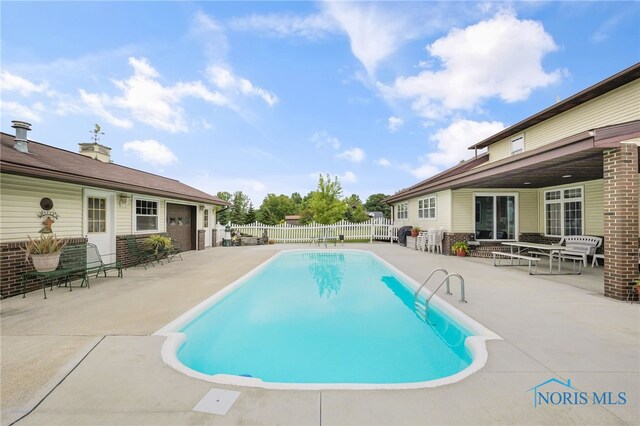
x=262 y=96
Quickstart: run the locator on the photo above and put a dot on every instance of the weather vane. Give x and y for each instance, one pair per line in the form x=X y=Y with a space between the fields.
x=96 y=133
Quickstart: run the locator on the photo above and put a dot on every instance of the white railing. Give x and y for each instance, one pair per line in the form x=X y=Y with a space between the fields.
x=374 y=229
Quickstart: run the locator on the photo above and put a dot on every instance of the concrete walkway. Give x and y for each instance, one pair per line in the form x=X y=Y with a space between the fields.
x=89 y=357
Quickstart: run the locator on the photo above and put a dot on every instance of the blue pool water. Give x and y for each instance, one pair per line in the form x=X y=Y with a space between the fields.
x=324 y=317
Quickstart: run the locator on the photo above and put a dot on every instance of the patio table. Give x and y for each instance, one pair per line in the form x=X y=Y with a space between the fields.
x=544 y=249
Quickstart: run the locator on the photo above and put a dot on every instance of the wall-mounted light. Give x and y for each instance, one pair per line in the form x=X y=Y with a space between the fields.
x=123 y=199
x=201 y=207
x=566 y=176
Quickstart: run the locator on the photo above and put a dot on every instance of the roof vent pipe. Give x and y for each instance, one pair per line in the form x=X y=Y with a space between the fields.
x=22 y=127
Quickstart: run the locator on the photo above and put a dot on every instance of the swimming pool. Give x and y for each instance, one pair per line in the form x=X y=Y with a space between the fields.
x=314 y=319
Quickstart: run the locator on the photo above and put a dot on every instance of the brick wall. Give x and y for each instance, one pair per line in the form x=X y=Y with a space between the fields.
x=214 y=237
x=201 y=239
x=620 y=219
x=13 y=264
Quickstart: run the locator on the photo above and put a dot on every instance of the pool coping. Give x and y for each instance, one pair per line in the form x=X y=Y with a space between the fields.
x=476 y=344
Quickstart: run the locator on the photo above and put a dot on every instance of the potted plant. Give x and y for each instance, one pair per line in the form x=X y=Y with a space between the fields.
x=461 y=248
x=415 y=231
x=157 y=243
x=637 y=287
x=44 y=252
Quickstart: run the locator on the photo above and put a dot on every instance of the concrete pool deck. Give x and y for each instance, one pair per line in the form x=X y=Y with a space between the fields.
x=90 y=357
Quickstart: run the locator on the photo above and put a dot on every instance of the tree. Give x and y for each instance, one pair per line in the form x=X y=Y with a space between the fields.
x=251 y=215
x=223 y=217
x=375 y=204
x=355 y=212
x=325 y=204
x=239 y=208
x=297 y=201
x=274 y=208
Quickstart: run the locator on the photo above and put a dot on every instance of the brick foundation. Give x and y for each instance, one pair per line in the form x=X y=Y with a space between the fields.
x=620 y=169
x=122 y=249
x=13 y=264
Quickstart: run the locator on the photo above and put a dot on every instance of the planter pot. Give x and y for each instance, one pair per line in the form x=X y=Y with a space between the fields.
x=461 y=253
x=638 y=291
x=45 y=262
x=414 y=233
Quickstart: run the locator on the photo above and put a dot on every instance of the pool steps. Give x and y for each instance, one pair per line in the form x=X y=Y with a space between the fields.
x=421 y=308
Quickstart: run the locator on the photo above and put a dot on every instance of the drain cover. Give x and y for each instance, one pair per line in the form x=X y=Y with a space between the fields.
x=217 y=401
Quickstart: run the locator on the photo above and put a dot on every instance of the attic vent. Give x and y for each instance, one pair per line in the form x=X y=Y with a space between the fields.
x=22 y=127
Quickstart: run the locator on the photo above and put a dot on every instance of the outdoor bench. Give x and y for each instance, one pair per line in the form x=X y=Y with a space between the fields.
x=531 y=259
x=581 y=245
x=47 y=277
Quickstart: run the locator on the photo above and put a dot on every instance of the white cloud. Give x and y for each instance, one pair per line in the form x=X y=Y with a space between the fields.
x=423 y=171
x=451 y=145
x=12 y=82
x=212 y=35
x=383 y=162
x=151 y=151
x=18 y=111
x=395 y=123
x=311 y=26
x=97 y=105
x=375 y=31
x=606 y=28
x=148 y=100
x=355 y=155
x=500 y=57
x=349 y=177
x=322 y=139
x=224 y=78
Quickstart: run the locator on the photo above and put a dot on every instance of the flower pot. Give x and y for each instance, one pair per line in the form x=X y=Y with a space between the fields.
x=461 y=253
x=45 y=262
x=414 y=233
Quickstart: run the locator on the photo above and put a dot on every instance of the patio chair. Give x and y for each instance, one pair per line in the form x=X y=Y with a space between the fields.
x=97 y=265
x=431 y=239
x=174 y=251
x=439 y=235
x=138 y=255
x=422 y=240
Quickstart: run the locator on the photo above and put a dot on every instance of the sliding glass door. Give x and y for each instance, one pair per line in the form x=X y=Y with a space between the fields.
x=495 y=217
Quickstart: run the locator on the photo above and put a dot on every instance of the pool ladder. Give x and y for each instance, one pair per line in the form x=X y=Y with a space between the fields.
x=421 y=310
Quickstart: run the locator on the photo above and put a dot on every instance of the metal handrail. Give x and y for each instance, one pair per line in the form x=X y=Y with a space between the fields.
x=446 y=279
x=415 y=295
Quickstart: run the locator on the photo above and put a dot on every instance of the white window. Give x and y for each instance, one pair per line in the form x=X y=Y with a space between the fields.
x=517 y=144
x=146 y=215
x=427 y=208
x=403 y=210
x=96 y=215
x=563 y=212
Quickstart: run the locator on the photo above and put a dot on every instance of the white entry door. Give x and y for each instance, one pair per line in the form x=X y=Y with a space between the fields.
x=99 y=223
x=207 y=227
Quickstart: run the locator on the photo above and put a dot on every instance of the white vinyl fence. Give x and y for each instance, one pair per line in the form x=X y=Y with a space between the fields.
x=374 y=229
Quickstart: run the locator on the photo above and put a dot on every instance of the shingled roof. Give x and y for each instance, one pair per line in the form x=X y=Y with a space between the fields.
x=48 y=162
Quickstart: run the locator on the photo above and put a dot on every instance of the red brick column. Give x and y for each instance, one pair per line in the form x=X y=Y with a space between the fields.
x=620 y=219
